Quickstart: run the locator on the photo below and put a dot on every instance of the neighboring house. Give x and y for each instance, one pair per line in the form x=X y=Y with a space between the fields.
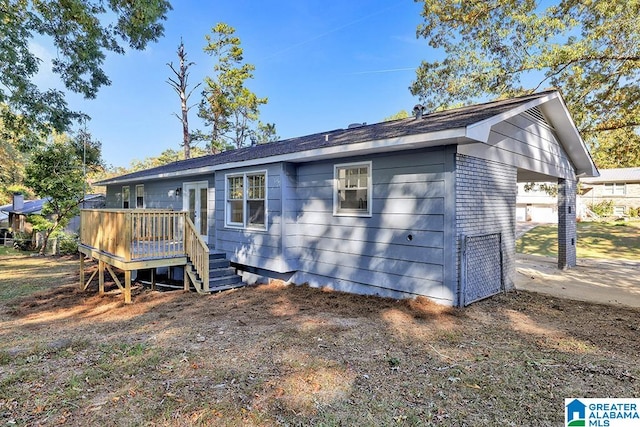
x=18 y=212
x=536 y=205
x=418 y=206
x=621 y=186
x=4 y=217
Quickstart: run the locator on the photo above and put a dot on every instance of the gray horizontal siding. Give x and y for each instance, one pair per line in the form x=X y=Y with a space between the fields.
x=161 y=194
x=400 y=248
x=158 y=194
x=253 y=247
x=525 y=143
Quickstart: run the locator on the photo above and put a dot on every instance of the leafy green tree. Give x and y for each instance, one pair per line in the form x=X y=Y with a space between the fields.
x=402 y=114
x=12 y=164
x=167 y=156
x=55 y=171
x=82 y=31
x=500 y=48
x=228 y=106
x=618 y=148
x=264 y=133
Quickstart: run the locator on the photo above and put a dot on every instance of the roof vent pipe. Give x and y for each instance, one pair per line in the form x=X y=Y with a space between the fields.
x=418 y=110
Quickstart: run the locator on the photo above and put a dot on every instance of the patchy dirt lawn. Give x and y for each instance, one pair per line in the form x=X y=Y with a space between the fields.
x=278 y=355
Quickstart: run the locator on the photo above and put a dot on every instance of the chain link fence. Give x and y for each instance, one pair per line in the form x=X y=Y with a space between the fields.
x=481 y=267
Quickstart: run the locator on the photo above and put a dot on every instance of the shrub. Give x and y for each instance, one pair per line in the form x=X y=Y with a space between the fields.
x=68 y=244
x=634 y=212
x=23 y=241
x=604 y=208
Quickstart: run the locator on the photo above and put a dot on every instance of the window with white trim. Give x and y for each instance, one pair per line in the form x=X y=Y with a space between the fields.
x=126 y=194
x=618 y=210
x=352 y=189
x=140 y=196
x=246 y=205
x=615 y=189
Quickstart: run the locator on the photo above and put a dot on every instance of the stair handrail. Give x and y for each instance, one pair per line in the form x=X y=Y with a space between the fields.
x=197 y=250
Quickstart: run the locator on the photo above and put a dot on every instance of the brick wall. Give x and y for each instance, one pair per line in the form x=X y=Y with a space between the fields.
x=485 y=204
x=566 y=223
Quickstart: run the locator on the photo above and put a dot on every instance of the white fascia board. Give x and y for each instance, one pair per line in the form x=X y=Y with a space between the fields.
x=431 y=139
x=557 y=113
x=480 y=131
x=167 y=175
x=574 y=146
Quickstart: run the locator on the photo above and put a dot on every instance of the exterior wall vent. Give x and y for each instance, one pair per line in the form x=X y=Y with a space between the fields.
x=536 y=115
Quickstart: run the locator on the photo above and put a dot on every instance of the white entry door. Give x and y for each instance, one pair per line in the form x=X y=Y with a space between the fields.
x=195 y=201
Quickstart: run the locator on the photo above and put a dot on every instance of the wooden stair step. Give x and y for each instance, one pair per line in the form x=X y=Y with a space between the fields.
x=227 y=287
x=216 y=263
x=220 y=272
x=224 y=281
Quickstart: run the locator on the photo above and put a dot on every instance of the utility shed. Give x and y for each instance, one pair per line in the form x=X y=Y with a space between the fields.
x=419 y=206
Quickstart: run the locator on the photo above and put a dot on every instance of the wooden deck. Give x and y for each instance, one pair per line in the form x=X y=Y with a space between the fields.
x=140 y=239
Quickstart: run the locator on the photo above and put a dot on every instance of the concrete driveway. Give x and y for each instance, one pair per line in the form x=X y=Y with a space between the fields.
x=593 y=280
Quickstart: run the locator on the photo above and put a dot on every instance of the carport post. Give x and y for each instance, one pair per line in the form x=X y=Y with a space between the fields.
x=567 y=189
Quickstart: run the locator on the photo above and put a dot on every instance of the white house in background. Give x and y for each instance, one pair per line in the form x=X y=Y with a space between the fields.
x=536 y=205
x=621 y=186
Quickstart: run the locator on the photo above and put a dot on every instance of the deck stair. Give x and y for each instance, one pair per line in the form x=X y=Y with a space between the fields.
x=221 y=275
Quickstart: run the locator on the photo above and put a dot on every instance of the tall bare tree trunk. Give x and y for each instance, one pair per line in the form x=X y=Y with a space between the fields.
x=180 y=84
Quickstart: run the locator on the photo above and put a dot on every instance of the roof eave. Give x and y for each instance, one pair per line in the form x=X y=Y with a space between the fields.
x=430 y=139
x=480 y=131
x=557 y=113
x=555 y=110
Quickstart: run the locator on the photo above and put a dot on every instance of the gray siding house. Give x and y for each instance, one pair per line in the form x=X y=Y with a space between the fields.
x=418 y=206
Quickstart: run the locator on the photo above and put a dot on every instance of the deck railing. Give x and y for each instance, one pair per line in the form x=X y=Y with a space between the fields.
x=197 y=250
x=136 y=234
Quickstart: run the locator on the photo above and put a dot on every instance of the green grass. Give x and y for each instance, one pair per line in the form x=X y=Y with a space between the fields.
x=619 y=240
x=9 y=251
x=22 y=275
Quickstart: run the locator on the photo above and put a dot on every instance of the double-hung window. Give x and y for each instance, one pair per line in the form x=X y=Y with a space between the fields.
x=615 y=189
x=125 y=197
x=352 y=189
x=246 y=200
x=619 y=210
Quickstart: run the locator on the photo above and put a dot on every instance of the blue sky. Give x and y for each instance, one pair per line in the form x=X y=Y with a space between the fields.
x=322 y=64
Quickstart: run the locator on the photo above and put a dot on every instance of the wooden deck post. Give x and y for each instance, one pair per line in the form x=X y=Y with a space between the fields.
x=127 y=286
x=100 y=277
x=128 y=235
x=81 y=271
x=153 y=279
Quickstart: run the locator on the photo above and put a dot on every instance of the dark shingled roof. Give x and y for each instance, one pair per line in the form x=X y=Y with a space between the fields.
x=432 y=122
